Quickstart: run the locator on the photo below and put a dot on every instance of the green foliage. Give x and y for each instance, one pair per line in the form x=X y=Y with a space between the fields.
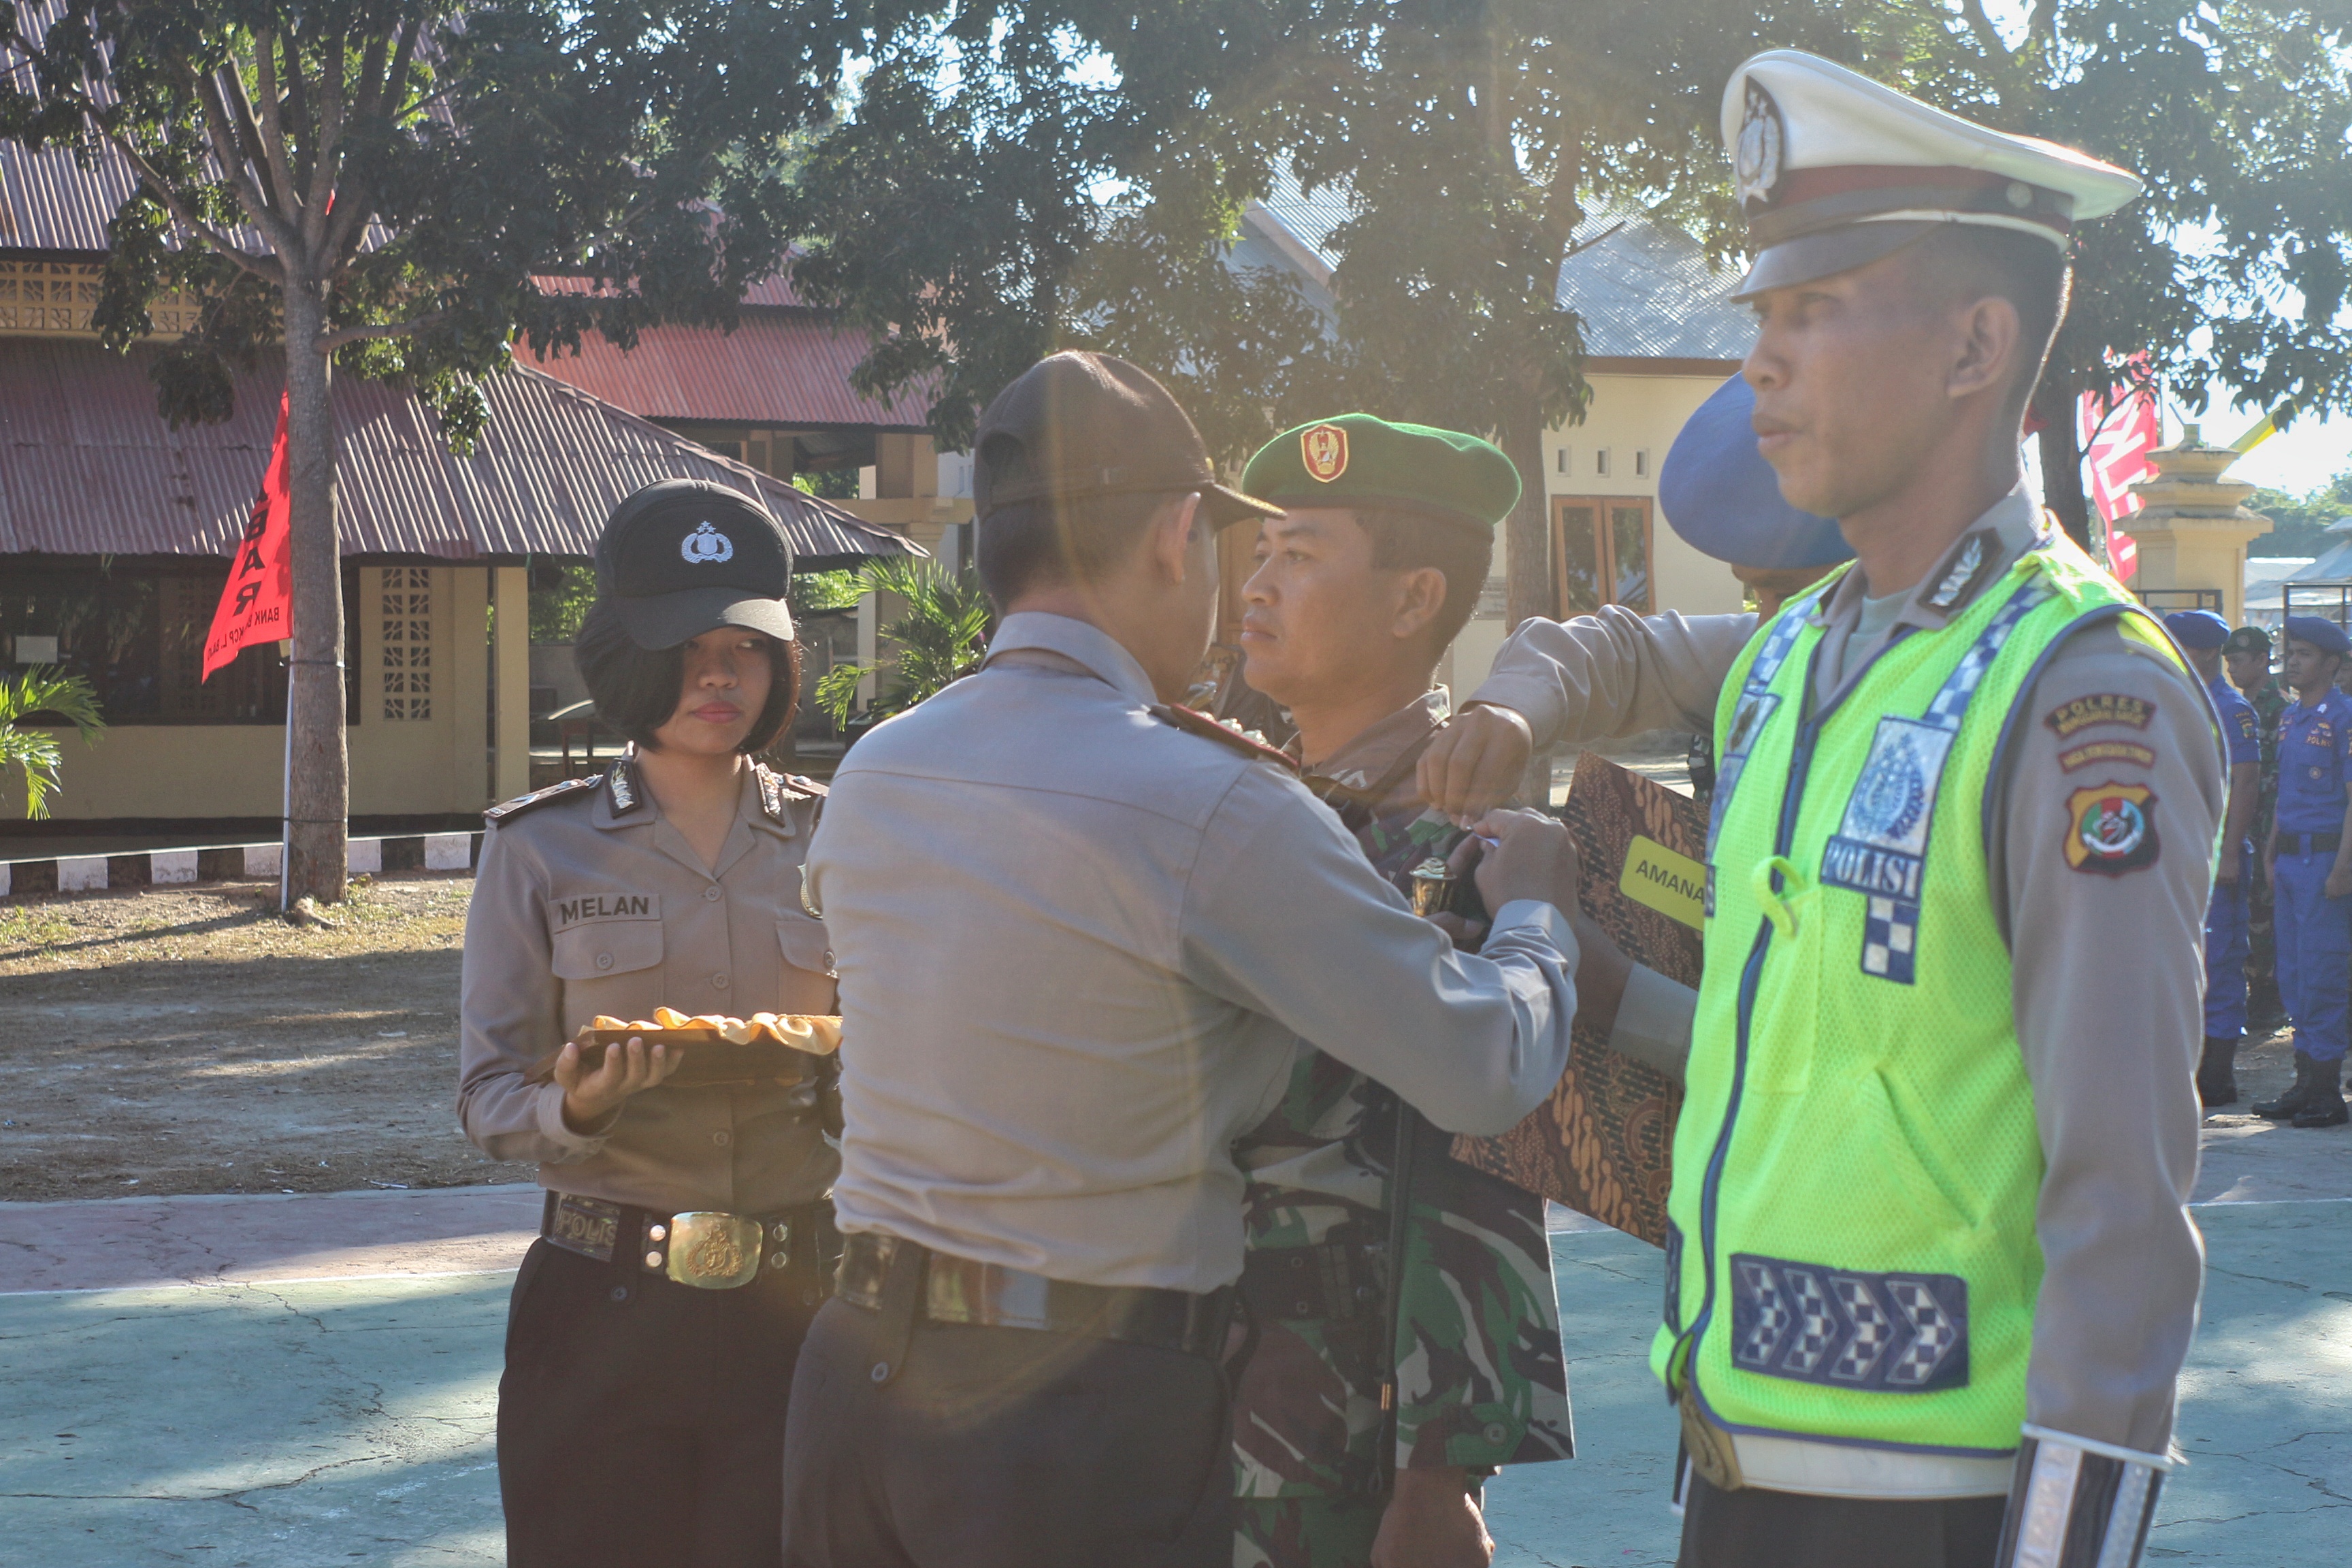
x=829 y=484
x=420 y=164
x=2299 y=525
x=558 y=609
x=815 y=592
x=940 y=638
x=33 y=753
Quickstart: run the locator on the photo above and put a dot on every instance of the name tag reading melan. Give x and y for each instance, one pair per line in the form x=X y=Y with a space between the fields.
x=1674 y=885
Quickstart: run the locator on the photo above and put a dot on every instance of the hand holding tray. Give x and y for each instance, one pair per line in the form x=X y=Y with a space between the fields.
x=765 y=1047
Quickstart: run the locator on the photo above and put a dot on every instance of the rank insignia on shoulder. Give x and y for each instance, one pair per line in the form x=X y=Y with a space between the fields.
x=627 y=794
x=1961 y=578
x=2099 y=708
x=569 y=789
x=1192 y=721
x=2111 y=828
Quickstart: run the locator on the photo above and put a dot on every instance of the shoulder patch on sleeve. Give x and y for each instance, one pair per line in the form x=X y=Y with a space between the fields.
x=2090 y=752
x=2098 y=708
x=569 y=789
x=1194 y=722
x=2111 y=828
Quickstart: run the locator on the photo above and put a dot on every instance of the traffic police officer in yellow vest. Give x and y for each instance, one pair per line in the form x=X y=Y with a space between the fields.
x=1932 y=1275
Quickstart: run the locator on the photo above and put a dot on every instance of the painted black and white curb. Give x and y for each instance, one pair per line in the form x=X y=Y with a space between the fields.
x=230 y=863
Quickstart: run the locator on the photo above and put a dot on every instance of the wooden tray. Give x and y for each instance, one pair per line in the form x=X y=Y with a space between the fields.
x=710 y=1058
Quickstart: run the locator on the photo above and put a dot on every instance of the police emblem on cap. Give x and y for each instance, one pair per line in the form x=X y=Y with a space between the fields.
x=1324 y=450
x=706 y=546
x=1756 y=160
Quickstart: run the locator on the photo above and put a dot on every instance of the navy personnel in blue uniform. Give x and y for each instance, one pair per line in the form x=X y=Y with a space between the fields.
x=2202 y=635
x=641 y=1415
x=2310 y=854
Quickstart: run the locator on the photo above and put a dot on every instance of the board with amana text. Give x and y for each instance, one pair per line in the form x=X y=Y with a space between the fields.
x=1603 y=1143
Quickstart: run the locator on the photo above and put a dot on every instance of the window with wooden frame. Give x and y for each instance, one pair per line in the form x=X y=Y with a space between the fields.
x=1601 y=554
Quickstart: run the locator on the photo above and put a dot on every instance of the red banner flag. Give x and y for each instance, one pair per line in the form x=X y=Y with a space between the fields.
x=258 y=603
x=2117 y=430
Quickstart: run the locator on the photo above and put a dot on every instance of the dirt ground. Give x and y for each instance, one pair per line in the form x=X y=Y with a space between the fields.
x=188 y=1040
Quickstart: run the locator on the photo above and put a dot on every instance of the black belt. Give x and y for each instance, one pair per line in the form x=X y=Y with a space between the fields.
x=703 y=1248
x=2307 y=842
x=903 y=1280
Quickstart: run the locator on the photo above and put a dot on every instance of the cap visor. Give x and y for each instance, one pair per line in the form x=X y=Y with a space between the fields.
x=1811 y=256
x=1227 y=507
x=660 y=621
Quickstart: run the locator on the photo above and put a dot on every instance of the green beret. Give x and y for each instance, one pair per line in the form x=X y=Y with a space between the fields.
x=1357 y=461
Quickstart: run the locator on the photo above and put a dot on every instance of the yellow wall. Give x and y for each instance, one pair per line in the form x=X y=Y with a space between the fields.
x=1629 y=414
x=440 y=763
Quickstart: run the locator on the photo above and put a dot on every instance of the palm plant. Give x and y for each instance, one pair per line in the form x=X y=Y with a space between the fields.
x=940 y=637
x=34 y=753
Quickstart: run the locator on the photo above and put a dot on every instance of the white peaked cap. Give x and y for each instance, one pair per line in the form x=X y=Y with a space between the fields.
x=1835 y=170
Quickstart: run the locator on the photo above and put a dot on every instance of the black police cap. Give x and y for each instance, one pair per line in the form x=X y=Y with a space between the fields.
x=683 y=556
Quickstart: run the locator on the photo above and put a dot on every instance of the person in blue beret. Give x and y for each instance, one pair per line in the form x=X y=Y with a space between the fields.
x=2310 y=862
x=2202 y=635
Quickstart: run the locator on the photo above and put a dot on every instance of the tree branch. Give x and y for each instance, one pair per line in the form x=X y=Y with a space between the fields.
x=267 y=269
x=329 y=341
x=272 y=223
x=331 y=134
x=1988 y=36
x=349 y=227
x=273 y=124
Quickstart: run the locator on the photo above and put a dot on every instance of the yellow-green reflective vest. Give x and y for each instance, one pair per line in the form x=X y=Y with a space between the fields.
x=1852 y=1253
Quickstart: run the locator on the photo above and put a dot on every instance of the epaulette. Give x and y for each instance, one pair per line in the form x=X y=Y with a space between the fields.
x=569 y=789
x=1192 y=721
x=777 y=791
x=628 y=793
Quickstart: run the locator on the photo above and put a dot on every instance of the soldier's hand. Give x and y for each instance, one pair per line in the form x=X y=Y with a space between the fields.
x=1432 y=1521
x=1475 y=763
x=2227 y=872
x=1530 y=856
x=591 y=1098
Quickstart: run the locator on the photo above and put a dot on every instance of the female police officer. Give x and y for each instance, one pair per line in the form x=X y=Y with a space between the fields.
x=641 y=1415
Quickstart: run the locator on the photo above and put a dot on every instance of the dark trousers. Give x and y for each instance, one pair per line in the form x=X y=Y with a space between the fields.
x=641 y=1422
x=996 y=1448
x=1755 y=1529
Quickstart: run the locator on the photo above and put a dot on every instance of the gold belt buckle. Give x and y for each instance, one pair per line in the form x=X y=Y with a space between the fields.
x=713 y=1251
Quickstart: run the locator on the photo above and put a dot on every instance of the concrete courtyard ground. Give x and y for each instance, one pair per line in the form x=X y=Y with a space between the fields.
x=282 y=1381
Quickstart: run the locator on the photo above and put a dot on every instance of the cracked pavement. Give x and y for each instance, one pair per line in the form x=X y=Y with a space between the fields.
x=288 y=1381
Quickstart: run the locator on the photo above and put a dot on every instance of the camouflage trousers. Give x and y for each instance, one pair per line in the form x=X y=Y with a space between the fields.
x=1306 y=1532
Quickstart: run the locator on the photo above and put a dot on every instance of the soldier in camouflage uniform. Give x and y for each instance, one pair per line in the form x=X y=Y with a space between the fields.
x=2247 y=656
x=1374 y=1404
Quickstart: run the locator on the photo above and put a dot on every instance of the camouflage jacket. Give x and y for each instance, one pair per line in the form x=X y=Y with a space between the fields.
x=2269 y=700
x=1477 y=1352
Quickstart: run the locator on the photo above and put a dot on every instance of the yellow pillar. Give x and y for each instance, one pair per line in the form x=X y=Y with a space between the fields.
x=510 y=674
x=2192 y=528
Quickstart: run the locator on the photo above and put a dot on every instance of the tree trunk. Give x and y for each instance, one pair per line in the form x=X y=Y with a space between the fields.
x=2062 y=467
x=1526 y=533
x=317 y=791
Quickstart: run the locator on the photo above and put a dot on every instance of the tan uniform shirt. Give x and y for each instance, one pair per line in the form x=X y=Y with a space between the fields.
x=589 y=903
x=2106 y=982
x=1125 y=930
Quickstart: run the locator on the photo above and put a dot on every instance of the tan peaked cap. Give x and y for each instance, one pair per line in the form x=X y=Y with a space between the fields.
x=1835 y=170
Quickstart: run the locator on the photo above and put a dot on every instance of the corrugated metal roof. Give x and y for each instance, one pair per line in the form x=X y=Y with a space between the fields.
x=1645 y=290
x=787 y=368
x=87 y=468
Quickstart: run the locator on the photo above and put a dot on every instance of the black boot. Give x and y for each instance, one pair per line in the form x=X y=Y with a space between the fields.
x=2323 y=1105
x=2217 y=1076
x=2288 y=1105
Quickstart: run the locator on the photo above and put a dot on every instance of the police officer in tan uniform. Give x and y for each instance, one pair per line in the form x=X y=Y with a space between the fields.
x=641 y=1415
x=1910 y=269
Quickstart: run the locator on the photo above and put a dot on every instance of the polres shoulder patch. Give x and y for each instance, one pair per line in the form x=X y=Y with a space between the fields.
x=2098 y=708
x=1192 y=721
x=569 y=789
